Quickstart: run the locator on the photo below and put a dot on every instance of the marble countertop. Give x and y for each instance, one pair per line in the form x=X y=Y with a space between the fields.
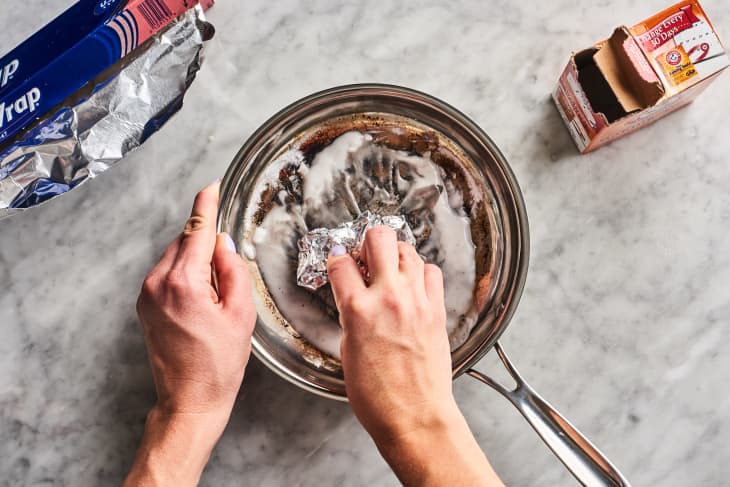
x=621 y=326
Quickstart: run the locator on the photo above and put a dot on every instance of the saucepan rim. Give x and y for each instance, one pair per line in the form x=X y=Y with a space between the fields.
x=510 y=199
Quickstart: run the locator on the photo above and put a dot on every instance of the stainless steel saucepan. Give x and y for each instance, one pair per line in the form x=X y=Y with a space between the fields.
x=287 y=354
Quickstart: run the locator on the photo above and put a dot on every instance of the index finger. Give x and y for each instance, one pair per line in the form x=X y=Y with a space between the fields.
x=344 y=276
x=380 y=253
x=199 y=236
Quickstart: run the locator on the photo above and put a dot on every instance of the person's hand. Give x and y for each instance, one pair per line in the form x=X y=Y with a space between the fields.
x=397 y=363
x=198 y=342
x=198 y=339
x=395 y=349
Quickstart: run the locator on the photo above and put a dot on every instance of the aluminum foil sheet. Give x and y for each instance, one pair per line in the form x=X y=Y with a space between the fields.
x=315 y=246
x=84 y=139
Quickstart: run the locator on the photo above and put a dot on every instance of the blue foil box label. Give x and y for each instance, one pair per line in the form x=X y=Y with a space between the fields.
x=20 y=110
x=55 y=38
x=109 y=118
x=117 y=32
x=51 y=65
x=72 y=69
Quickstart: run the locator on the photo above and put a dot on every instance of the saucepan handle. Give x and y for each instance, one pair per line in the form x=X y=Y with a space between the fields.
x=585 y=461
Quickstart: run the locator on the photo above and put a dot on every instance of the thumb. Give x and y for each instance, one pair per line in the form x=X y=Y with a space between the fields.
x=344 y=276
x=234 y=285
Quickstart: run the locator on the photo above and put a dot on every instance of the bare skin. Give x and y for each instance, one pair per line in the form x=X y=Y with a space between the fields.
x=395 y=354
x=397 y=364
x=198 y=343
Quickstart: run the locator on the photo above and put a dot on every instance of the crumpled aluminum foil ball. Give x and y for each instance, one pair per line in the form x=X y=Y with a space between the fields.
x=315 y=246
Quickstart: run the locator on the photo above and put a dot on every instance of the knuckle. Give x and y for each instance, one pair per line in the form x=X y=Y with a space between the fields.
x=380 y=231
x=194 y=224
x=140 y=304
x=338 y=267
x=177 y=281
x=434 y=270
x=148 y=292
x=333 y=273
x=392 y=286
x=335 y=266
x=390 y=301
x=407 y=253
x=149 y=285
x=353 y=306
x=422 y=308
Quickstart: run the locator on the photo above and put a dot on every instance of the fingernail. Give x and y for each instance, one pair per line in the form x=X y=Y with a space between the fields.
x=215 y=181
x=337 y=251
x=230 y=243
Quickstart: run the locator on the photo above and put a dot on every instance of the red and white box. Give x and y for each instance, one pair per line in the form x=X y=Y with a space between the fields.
x=639 y=75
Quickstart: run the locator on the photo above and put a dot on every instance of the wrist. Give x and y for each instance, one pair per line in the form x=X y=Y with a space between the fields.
x=176 y=447
x=204 y=429
x=442 y=451
x=411 y=430
x=413 y=421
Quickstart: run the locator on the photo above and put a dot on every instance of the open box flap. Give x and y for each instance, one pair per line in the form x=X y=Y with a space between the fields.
x=627 y=72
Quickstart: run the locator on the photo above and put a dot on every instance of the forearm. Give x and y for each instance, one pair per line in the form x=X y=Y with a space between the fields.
x=444 y=454
x=174 y=449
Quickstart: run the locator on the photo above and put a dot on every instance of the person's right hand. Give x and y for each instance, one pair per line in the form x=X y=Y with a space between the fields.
x=395 y=349
x=397 y=363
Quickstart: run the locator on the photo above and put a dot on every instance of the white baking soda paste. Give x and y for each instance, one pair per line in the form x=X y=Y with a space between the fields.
x=350 y=175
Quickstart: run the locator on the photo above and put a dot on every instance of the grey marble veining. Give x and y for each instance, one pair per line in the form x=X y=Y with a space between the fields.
x=624 y=317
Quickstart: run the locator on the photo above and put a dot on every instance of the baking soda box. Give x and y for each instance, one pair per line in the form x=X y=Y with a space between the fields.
x=639 y=75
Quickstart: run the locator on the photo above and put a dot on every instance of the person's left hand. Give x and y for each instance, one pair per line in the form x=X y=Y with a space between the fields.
x=198 y=339
x=198 y=343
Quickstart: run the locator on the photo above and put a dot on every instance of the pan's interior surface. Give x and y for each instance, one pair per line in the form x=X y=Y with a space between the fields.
x=277 y=344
